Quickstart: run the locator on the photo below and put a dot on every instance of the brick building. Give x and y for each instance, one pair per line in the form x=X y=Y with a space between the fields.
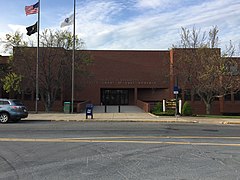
x=127 y=77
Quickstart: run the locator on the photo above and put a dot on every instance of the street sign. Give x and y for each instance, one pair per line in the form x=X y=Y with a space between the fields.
x=175 y=90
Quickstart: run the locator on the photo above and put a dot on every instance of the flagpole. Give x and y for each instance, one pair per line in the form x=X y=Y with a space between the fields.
x=73 y=53
x=37 y=87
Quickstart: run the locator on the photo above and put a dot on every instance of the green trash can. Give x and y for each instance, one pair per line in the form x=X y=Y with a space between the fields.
x=67 y=107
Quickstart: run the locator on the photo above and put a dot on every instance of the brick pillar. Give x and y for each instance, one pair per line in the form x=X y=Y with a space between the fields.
x=171 y=76
x=221 y=104
x=135 y=96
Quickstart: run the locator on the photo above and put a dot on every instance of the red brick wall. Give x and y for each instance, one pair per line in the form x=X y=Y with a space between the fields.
x=146 y=73
x=125 y=70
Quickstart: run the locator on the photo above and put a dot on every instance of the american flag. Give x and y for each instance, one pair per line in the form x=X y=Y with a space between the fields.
x=33 y=9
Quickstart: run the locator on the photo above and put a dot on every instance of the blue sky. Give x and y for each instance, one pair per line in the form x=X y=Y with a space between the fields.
x=127 y=24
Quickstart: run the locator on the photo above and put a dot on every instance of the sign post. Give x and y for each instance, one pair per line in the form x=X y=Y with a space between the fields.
x=175 y=92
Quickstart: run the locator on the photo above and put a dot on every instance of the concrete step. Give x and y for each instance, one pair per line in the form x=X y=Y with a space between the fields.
x=115 y=109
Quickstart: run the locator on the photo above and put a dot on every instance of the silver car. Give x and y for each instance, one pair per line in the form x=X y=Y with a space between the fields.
x=12 y=110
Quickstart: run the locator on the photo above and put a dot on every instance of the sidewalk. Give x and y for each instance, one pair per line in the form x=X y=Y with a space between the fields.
x=127 y=117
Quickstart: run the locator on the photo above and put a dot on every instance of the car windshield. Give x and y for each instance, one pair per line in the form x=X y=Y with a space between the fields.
x=17 y=103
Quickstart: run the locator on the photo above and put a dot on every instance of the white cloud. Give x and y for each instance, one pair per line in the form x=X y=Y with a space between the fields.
x=155 y=3
x=99 y=24
x=98 y=11
x=149 y=24
x=16 y=27
x=13 y=28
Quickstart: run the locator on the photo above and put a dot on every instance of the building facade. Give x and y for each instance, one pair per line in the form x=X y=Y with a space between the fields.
x=124 y=77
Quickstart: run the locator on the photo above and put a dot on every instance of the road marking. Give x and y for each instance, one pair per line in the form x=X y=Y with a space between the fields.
x=79 y=140
x=160 y=137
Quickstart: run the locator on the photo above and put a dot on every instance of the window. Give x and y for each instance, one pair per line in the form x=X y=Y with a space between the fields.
x=228 y=97
x=115 y=96
x=28 y=94
x=5 y=94
x=196 y=97
x=234 y=70
x=4 y=103
x=18 y=103
x=187 y=95
x=39 y=96
x=17 y=96
x=58 y=95
x=237 y=96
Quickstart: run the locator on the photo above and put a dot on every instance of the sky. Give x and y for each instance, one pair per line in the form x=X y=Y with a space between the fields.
x=126 y=24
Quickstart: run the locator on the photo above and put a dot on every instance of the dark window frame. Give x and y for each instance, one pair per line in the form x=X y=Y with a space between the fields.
x=228 y=97
x=196 y=97
x=237 y=96
x=187 y=95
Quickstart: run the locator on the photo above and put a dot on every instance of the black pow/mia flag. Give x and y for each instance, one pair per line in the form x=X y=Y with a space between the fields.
x=31 y=29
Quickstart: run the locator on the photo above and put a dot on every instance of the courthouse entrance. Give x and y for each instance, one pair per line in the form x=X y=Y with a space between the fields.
x=115 y=96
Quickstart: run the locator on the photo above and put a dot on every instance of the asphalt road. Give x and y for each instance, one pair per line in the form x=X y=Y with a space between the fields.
x=108 y=151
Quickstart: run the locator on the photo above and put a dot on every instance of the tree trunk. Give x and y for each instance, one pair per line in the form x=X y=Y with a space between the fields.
x=47 y=101
x=208 y=108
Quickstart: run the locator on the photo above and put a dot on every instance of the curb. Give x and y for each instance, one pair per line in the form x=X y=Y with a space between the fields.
x=115 y=120
x=136 y=120
x=129 y=118
x=230 y=122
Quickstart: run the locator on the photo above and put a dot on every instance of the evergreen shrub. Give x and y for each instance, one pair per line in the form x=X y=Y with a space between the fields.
x=157 y=108
x=187 y=109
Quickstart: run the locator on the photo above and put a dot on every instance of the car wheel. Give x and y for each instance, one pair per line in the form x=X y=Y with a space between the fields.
x=4 y=117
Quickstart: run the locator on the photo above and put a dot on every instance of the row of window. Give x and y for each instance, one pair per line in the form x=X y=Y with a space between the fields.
x=229 y=97
x=188 y=96
x=28 y=96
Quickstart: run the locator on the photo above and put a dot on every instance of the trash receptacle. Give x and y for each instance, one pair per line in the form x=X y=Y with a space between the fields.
x=66 y=107
x=89 y=110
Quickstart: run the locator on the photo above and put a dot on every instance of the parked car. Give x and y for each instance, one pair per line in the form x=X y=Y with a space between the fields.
x=12 y=110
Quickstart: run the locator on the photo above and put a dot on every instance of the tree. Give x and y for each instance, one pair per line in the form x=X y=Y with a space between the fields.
x=202 y=67
x=14 y=40
x=11 y=80
x=54 y=66
x=54 y=70
x=187 y=109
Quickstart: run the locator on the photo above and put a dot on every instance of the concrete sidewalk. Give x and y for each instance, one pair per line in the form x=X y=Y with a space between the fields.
x=128 y=117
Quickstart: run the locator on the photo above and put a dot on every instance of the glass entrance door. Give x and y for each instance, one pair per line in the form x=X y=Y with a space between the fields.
x=115 y=96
